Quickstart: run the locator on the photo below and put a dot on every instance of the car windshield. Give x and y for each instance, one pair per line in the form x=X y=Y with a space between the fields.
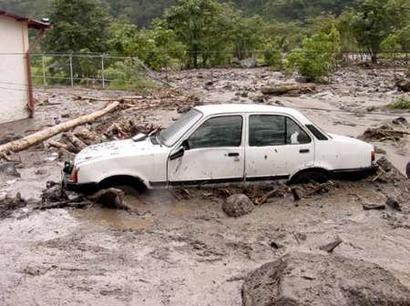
x=171 y=134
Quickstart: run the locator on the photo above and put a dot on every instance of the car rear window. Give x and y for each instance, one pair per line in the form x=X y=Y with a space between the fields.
x=274 y=130
x=316 y=132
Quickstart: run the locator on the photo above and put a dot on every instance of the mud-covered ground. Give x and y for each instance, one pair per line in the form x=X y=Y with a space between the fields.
x=169 y=251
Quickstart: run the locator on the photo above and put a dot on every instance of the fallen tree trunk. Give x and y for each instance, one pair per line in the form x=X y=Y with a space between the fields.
x=33 y=139
x=278 y=90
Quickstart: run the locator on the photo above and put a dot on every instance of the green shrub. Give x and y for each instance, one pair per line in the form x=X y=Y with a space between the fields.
x=273 y=57
x=317 y=57
x=400 y=103
x=128 y=75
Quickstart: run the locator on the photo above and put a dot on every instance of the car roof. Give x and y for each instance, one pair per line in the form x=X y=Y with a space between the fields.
x=214 y=109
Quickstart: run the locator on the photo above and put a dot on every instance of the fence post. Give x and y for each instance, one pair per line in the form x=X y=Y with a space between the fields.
x=102 y=71
x=71 y=70
x=43 y=62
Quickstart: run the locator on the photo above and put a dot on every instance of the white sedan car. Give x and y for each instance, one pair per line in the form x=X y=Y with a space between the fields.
x=220 y=144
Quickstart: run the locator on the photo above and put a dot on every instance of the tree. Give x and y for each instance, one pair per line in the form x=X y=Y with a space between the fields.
x=202 y=27
x=155 y=46
x=374 y=20
x=78 y=25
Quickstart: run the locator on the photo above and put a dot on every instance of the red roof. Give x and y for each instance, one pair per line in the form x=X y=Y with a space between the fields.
x=32 y=23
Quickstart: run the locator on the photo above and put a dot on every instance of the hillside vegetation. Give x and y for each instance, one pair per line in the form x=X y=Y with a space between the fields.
x=302 y=35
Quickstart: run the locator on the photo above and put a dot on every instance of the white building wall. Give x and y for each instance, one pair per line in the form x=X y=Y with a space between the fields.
x=14 y=93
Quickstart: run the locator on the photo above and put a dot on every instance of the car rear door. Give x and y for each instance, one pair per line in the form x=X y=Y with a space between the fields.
x=214 y=153
x=277 y=146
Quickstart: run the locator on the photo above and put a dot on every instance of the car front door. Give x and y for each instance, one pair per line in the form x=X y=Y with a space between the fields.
x=213 y=153
x=277 y=146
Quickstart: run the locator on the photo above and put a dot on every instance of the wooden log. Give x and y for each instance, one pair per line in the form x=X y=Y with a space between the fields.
x=373 y=206
x=58 y=145
x=78 y=144
x=40 y=136
x=278 y=90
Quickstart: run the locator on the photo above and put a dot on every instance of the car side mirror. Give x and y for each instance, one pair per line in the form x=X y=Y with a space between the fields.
x=179 y=153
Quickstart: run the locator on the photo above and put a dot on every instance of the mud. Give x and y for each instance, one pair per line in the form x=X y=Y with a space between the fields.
x=184 y=250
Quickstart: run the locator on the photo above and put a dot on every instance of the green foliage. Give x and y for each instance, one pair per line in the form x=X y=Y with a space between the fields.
x=273 y=56
x=390 y=43
x=202 y=27
x=77 y=25
x=156 y=47
x=128 y=75
x=317 y=57
x=374 y=20
x=400 y=103
x=247 y=34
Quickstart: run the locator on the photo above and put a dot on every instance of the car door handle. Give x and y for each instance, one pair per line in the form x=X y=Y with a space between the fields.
x=233 y=154
x=304 y=151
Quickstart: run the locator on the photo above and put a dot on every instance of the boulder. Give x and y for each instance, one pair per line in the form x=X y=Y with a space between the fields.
x=238 y=205
x=313 y=279
x=8 y=169
x=403 y=85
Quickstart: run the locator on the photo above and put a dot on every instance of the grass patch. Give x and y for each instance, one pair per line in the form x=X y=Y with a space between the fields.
x=400 y=103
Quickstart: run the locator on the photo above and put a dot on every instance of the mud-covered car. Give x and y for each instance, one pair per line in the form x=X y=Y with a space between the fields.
x=219 y=144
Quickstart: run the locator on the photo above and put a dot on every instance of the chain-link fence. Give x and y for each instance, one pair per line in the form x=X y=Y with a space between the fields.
x=91 y=70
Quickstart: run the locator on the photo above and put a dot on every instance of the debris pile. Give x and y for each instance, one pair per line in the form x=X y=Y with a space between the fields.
x=315 y=279
x=260 y=194
x=385 y=132
x=55 y=196
x=386 y=172
x=9 y=204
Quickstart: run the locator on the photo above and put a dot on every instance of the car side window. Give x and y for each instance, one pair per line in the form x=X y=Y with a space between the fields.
x=224 y=131
x=266 y=130
x=294 y=134
x=274 y=130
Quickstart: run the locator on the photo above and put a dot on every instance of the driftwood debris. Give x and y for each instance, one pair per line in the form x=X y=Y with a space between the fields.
x=33 y=139
x=278 y=90
x=384 y=132
x=374 y=206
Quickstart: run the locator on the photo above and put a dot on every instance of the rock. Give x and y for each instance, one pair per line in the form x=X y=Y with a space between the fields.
x=329 y=247
x=393 y=203
x=8 y=169
x=248 y=63
x=8 y=204
x=399 y=120
x=298 y=279
x=238 y=205
x=403 y=85
x=408 y=170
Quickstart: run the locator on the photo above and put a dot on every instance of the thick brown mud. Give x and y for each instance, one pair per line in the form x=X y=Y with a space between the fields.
x=172 y=251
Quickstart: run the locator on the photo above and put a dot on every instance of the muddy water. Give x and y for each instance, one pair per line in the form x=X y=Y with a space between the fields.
x=169 y=252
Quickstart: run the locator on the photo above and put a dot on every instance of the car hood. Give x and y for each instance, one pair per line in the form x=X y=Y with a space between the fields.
x=115 y=149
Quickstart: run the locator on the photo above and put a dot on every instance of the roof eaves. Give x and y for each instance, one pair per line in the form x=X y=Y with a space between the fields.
x=32 y=23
